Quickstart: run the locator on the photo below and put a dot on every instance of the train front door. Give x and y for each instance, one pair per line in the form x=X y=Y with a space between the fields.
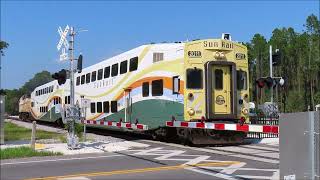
x=221 y=89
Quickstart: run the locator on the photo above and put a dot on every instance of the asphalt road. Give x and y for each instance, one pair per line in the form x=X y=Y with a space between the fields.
x=158 y=161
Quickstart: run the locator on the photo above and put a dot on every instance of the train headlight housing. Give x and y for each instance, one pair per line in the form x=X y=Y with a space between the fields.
x=191 y=111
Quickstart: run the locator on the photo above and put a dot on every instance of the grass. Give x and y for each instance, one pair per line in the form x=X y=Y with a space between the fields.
x=24 y=151
x=13 y=132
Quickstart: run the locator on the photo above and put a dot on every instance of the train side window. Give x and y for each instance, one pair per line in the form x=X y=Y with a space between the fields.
x=241 y=80
x=114 y=70
x=106 y=107
x=145 y=89
x=69 y=100
x=87 y=78
x=123 y=67
x=100 y=73
x=175 y=85
x=106 y=72
x=114 y=106
x=99 y=107
x=82 y=79
x=32 y=104
x=65 y=100
x=133 y=64
x=59 y=100
x=93 y=76
x=194 y=78
x=93 y=107
x=157 y=87
x=218 y=79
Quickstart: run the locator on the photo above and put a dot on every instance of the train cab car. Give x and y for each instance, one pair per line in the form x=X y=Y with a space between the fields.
x=216 y=85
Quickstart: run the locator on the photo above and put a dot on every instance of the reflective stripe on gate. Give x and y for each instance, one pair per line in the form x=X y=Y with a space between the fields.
x=116 y=124
x=226 y=126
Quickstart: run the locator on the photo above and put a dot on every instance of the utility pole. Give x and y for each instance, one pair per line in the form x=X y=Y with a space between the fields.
x=270 y=63
x=73 y=113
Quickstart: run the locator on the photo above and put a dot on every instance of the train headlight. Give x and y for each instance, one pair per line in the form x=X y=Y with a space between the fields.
x=217 y=55
x=191 y=111
x=222 y=55
x=245 y=111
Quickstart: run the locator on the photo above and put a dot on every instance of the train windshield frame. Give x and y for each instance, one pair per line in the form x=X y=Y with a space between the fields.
x=242 y=80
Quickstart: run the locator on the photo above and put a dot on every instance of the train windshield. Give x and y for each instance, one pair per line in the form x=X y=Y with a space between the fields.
x=194 y=78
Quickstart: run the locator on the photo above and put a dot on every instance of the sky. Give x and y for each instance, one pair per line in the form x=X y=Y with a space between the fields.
x=30 y=27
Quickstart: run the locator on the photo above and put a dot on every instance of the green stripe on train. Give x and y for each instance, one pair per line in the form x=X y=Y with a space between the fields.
x=153 y=113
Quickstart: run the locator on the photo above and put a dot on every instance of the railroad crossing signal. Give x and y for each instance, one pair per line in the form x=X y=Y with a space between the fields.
x=270 y=82
x=276 y=58
x=61 y=76
x=63 y=41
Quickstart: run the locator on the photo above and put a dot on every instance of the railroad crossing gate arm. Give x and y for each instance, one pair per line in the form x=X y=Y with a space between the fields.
x=226 y=126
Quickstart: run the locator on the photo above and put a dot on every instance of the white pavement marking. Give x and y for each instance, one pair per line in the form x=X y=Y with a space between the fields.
x=261 y=147
x=233 y=168
x=229 y=170
x=56 y=160
x=248 y=150
x=232 y=154
x=275 y=175
x=197 y=160
x=224 y=176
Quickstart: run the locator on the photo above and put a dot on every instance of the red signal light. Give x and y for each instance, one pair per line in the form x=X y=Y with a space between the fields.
x=260 y=82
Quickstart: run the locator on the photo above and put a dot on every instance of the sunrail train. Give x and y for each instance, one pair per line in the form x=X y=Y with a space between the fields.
x=202 y=80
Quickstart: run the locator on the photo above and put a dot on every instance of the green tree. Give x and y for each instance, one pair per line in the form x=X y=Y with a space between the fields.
x=13 y=96
x=3 y=45
x=38 y=79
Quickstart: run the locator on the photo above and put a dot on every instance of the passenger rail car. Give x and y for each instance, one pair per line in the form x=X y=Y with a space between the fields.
x=202 y=80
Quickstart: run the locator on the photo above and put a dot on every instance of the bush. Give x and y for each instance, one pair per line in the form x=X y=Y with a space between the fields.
x=78 y=128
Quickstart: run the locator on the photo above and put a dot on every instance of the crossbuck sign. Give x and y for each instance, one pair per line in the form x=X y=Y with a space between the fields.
x=63 y=41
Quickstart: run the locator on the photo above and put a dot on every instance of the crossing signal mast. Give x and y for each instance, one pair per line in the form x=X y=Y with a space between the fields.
x=72 y=113
x=271 y=81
